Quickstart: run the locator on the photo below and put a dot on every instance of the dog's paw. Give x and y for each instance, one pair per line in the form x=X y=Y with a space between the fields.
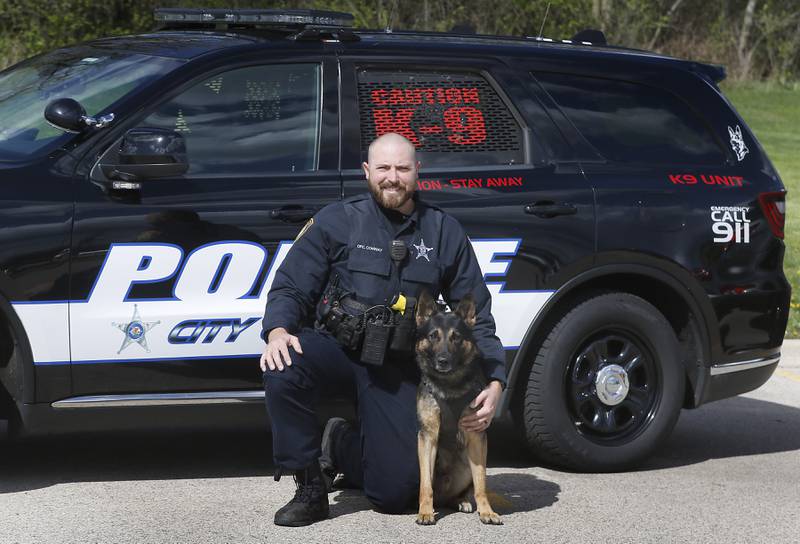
x=490 y=518
x=465 y=507
x=426 y=519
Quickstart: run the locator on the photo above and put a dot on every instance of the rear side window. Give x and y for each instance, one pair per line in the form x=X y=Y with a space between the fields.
x=630 y=122
x=453 y=119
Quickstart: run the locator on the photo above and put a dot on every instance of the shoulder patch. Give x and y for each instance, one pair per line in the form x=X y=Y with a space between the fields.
x=304 y=229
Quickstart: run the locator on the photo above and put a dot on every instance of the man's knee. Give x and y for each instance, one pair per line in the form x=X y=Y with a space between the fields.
x=393 y=500
x=292 y=377
x=393 y=488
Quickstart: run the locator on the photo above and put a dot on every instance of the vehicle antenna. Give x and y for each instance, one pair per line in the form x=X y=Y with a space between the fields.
x=546 y=12
x=391 y=17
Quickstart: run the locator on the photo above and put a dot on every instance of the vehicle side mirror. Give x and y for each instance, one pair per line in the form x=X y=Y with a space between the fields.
x=147 y=153
x=66 y=114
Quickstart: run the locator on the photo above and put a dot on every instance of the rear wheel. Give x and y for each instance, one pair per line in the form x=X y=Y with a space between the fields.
x=606 y=387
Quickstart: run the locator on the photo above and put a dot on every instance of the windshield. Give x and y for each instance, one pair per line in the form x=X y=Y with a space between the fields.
x=95 y=78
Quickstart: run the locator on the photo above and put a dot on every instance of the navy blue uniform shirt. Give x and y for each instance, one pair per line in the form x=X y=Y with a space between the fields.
x=353 y=239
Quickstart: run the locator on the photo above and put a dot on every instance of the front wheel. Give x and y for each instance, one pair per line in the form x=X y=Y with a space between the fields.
x=606 y=387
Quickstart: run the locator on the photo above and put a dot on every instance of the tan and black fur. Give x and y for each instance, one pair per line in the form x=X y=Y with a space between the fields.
x=452 y=462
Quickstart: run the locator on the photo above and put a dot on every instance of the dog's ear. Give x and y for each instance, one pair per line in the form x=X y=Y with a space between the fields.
x=466 y=310
x=426 y=307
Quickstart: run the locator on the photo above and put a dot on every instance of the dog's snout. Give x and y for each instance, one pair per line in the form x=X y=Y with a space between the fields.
x=443 y=364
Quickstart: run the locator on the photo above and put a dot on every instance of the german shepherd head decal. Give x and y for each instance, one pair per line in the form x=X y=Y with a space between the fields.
x=737 y=142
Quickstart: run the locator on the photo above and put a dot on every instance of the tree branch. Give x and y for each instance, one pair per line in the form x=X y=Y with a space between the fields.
x=667 y=21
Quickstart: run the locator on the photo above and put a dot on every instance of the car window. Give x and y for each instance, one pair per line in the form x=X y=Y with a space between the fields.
x=631 y=122
x=254 y=120
x=453 y=119
x=95 y=78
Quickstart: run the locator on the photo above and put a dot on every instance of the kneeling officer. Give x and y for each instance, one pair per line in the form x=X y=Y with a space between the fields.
x=359 y=264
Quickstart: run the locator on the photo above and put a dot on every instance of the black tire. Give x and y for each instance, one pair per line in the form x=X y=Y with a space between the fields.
x=567 y=423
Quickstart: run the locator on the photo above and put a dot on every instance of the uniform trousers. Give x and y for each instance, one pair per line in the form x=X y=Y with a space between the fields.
x=380 y=455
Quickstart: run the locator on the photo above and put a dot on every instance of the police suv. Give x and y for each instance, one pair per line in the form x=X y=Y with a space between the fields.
x=628 y=224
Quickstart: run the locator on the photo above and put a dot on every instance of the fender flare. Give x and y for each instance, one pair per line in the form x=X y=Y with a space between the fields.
x=675 y=277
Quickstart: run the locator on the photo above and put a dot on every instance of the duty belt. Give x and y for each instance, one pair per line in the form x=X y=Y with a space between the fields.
x=345 y=321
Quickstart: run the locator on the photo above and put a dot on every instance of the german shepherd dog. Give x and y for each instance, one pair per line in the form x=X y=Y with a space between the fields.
x=452 y=462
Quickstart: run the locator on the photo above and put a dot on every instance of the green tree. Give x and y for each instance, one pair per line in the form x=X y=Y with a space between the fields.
x=755 y=39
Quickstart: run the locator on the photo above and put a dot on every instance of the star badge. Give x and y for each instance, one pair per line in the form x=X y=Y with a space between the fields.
x=422 y=251
x=135 y=330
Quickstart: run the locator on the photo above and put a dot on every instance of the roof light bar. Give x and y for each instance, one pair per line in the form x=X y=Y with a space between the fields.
x=551 y=40
x=276 y=17
x=584 y=37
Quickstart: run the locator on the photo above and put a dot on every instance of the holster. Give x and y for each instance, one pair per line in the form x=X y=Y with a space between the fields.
x=372 y=330
x=341 y=315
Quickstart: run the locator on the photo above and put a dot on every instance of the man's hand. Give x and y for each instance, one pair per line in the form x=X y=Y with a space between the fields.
x=486 y=402
x=276 y=352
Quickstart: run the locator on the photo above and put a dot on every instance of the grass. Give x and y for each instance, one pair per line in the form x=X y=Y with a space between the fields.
x=773 y=113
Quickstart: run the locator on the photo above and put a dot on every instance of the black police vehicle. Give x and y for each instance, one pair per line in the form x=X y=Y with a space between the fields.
x=628 y=223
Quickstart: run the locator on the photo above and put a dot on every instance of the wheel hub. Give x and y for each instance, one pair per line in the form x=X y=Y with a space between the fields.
x=612 y=385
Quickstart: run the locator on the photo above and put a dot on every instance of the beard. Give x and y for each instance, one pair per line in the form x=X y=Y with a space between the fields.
x=391 y=201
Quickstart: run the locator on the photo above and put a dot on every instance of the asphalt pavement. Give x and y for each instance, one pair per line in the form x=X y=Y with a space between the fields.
x=730 y=473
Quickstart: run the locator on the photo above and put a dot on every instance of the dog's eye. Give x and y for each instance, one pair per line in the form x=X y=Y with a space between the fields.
x=433 y=336
x=455 y=338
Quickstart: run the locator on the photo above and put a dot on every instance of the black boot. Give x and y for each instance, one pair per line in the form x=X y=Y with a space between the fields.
x=335 y=429
x=310 y=502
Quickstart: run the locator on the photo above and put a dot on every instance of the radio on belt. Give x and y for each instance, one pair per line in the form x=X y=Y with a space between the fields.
x=377 y=329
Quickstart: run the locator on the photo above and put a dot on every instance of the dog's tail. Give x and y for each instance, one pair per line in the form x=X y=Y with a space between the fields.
x=497 y=500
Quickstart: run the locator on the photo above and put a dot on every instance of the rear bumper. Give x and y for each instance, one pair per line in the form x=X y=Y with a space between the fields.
x=737 y=377
x=741 y=366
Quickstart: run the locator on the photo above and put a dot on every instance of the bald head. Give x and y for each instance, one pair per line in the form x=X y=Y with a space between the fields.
x=395 y=143
x=391 y=171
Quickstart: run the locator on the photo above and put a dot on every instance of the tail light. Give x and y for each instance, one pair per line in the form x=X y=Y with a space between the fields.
x=774 y=207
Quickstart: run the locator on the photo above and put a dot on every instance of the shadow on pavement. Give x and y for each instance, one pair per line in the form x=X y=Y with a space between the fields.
x=521 y=492
x=730 y=428
x=513 y=492
x=348 y=501
x=509 y=493
x=42 y=462
x=36 y=463
x=733 y=427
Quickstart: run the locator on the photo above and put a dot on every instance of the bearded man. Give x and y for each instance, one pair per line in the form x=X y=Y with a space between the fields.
x=367 y=252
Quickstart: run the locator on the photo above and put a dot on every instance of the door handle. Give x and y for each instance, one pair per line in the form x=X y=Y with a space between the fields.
x=547 y=209
x=292 y=213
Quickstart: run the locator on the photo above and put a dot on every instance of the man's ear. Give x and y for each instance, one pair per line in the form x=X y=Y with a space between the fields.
x=466 y=310
x=365 y=167
x=426 y=308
